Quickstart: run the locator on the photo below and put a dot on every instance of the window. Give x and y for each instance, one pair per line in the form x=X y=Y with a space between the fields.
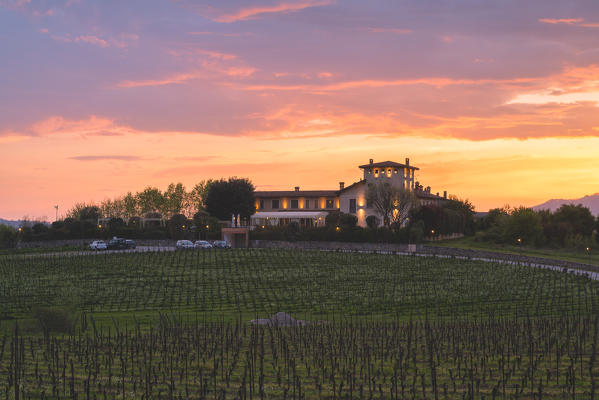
x=330 y=203
x=262 y=204
x=306 y=203
x=352 y=206
x=294 y=203
x=275 y=204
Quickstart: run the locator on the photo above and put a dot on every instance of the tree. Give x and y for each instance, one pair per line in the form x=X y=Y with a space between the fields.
x=84 y=212
x=197 y=196
x=524 y=224
x=175 y=199
x=392 y=203
x=150 y=200
x=230 y=197
x=130 y=206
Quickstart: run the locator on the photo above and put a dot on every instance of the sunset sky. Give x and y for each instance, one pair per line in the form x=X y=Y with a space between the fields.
x=495 y=101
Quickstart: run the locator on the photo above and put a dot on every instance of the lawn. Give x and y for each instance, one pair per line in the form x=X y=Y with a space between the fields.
x=581 y=256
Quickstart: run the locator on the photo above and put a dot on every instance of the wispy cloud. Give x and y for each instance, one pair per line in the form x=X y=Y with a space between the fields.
x=122 y=41
x=397 y=31
x=283 y=7
x=175 y=79
x=569 y=21
x=106 y=158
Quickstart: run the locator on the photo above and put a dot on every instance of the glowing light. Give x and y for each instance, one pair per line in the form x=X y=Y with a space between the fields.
x=338 y=228
x=100 y=226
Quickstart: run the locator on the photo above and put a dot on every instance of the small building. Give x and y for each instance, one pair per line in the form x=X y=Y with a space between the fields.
x=310 y=207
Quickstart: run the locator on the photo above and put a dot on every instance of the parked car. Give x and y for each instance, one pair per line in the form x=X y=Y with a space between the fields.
x=120 y=244
x=184 y=244
x=98 y=245
x=202 y=244
x=221 y=244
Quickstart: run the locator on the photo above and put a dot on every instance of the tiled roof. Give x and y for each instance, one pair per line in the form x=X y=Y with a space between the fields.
x=296 y=193
x=387 y=164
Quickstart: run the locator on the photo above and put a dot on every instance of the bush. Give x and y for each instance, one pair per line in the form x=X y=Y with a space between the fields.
x=8 y=237
x=372 y=222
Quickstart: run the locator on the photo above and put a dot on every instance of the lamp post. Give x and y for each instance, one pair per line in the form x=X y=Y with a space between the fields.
x=56 y=207
x=588 y=250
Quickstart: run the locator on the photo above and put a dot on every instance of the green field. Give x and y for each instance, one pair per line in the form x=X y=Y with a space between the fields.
x=176 y=325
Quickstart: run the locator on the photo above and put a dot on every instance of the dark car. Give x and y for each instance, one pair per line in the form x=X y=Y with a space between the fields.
x=120 y=244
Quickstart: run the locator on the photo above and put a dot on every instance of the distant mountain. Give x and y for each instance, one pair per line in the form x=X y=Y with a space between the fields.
x=14 y=224
x=591 y=202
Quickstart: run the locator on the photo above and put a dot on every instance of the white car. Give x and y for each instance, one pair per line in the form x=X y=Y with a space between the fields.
x=202 y=244
x=184 y=244
x=98 y=245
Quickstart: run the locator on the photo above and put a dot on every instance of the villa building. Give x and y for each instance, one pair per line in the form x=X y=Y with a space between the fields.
x=310 y=207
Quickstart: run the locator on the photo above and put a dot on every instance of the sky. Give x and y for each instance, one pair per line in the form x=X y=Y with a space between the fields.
x=494 y=101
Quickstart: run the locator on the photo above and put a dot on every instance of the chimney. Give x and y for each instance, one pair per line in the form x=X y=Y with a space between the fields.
x=428 y=189
x=437 y=194
x=407 y=162
x=371 y=161
x=297 y=188
x=445 y=194
x=341 y=185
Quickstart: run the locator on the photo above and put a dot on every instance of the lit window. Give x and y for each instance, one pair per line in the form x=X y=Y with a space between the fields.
x=330 y=203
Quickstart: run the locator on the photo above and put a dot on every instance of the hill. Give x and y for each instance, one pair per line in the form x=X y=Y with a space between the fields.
x=591 y=202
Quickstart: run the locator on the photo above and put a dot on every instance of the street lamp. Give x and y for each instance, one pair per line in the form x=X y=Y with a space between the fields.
x=56 y=207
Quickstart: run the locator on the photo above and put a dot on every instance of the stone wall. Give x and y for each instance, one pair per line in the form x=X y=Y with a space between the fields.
x=86 y=242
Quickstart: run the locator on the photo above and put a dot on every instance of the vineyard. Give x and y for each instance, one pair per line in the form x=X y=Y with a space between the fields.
x=176 y=325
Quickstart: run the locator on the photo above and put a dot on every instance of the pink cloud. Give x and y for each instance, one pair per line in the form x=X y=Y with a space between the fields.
x=569 y=21
x=397 y=31
x=284 y=7
x=92 y=40
x=171 y=80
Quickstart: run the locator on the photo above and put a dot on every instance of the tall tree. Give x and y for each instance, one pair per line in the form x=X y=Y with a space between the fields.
x=197 y=196
x=392 y=203
x=150 y=200
x=230 y=197
x=175 y=198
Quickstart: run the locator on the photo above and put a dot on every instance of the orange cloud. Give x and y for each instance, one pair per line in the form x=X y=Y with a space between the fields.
x=284 y=7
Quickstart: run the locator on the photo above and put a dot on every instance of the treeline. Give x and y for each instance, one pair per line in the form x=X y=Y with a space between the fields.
x=149 y=214
x=570 y=226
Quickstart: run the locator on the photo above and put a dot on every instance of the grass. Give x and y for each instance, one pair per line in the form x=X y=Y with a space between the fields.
x=469 y=243
x=175 y=325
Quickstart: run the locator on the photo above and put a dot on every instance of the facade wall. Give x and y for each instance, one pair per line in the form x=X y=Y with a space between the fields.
x=358 y=192
x=304 y=203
